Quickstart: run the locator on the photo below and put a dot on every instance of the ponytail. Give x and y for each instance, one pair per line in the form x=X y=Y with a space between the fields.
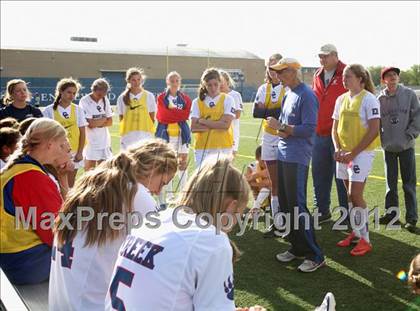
x=111 y=187
x=56 y=101
x=369 y=85
x=202 y=92
x=126 y=96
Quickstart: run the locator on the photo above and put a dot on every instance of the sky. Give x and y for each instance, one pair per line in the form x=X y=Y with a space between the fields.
x=369 y=33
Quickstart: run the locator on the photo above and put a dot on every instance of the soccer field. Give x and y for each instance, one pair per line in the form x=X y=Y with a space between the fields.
x=366 y=283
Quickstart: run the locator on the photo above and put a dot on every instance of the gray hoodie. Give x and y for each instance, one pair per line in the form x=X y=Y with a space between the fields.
x=400 y=119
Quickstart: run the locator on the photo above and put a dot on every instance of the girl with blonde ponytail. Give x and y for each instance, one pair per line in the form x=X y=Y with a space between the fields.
x=83 y=259
x=211 y=118
x=27 y=191
x=188 y=267
x=355 y=136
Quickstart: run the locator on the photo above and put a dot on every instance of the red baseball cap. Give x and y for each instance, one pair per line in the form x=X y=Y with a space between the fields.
x=388 y=69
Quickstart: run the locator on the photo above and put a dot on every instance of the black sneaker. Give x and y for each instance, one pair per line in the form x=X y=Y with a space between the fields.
x=387 y=218
x=411 y=227
x=324 y=218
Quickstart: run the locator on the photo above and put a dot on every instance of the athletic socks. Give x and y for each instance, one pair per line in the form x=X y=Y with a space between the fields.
x=261 y=197
x=274 y=205
x=364 y=231
x=355 y=221
x=361 y=220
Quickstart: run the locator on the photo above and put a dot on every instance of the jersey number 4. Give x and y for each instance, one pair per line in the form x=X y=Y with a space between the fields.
x=121 y=276
x=66 y=254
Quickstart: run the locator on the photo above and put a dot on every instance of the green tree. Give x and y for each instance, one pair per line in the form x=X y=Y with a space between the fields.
x=411 y=76
x=375 y=72
x=415 y=75
x=405 y=77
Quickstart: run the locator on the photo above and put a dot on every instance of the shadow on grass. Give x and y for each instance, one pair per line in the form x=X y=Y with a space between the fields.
x=362 y=283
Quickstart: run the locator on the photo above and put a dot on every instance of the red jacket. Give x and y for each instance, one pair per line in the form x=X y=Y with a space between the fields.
x=44 y=197
x=327 y=97
x=166 y=115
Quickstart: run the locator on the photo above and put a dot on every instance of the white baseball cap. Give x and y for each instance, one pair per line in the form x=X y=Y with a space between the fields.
x=327 y=49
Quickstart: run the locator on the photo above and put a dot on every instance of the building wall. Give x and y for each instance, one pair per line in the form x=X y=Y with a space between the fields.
x=44 y=68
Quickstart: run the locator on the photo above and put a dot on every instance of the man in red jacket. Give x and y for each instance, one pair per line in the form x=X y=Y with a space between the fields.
x=327 y=85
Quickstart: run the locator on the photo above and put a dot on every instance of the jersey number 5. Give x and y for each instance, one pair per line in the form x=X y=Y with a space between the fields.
x=124 y=276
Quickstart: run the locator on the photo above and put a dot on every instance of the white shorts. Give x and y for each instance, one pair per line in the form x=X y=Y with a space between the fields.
x=79 y=164
x=132 y=138
x=176 y=143
x=97 y=154
x=358 y=169
x=269 y=148
x=204 y=154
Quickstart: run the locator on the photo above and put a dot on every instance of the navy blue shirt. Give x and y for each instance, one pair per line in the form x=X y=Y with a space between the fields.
x=299 y=108
x=20 y=114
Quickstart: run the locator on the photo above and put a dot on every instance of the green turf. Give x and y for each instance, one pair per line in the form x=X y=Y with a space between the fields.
x=367 y=283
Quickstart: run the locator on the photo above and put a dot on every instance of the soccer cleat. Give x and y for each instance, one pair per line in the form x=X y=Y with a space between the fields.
x=328 y=304
x=310 y=266
x=361 y=248
x=347 y=241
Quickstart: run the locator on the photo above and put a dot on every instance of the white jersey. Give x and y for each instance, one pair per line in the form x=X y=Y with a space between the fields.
x=80 y=275
x=369 y=109
x=172 y=269
x=98 y=138
x=239 y=106
x=262 y=93
x=150 y=100
x=65 y=113
x=229 y=105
